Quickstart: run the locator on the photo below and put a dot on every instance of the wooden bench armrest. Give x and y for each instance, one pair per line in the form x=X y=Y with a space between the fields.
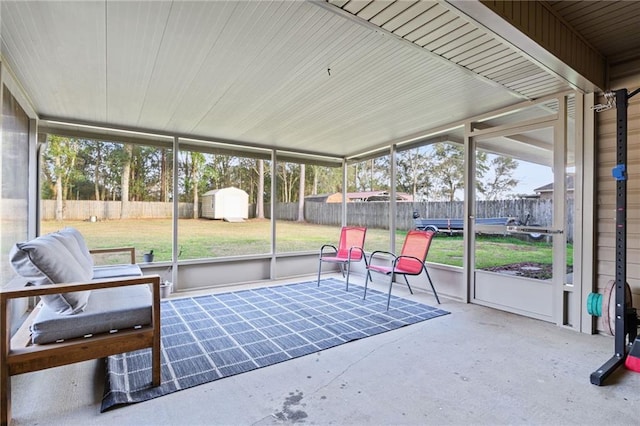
x=41 y=290
x=131 y=250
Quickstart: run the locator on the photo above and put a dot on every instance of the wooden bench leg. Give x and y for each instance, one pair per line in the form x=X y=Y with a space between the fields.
x=5 y=378
x=155 y=366
x=5 y=395
x=156 y=378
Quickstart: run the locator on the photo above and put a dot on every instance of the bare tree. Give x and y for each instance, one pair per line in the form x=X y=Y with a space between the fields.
x=415 y=174
x=62 y=154
x=301 y=194
x=260 y=194
x=126 y=176
x=164 y=176
x=499 y=179
x=448 y=169
x=197 y=168
x=59 y=205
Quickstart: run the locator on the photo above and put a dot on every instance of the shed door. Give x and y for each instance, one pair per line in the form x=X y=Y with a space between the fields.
x=235 y=205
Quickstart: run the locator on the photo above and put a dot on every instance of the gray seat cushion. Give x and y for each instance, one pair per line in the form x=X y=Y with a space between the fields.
x=116 y=271
x=108 y=309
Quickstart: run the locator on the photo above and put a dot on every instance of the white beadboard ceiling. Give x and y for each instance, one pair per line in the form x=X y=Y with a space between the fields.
x=338 y=78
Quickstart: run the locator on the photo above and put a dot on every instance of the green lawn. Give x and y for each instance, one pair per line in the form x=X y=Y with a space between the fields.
x=205 y=238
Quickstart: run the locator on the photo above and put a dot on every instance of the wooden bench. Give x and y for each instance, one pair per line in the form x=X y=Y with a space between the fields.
x=19 y=355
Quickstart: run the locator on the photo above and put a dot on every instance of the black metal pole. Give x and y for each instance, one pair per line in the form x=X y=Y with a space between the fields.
x=620 y=174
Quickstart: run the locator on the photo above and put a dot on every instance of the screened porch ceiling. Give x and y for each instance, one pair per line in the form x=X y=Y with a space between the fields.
x=335 y=78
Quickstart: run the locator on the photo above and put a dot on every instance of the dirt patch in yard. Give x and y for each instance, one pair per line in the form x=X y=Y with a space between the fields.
x=539 y=271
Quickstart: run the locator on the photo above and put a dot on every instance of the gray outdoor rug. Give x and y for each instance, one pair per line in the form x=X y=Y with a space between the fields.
x=207 y=338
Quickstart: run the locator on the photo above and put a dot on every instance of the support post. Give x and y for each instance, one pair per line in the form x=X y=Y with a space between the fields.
x=623 y=323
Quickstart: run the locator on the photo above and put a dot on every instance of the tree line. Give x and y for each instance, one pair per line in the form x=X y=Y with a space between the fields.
x=84 y=169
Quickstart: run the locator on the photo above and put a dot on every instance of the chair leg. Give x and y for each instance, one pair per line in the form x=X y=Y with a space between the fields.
x=348 y=270
x=390 y=286
x=407 y=281
x=319 y=271
x=432 y=287
x=366 y=282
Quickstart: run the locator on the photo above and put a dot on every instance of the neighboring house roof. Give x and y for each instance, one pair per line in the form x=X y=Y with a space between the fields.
x=377 y=196
x=319 y=198
x=549 y=187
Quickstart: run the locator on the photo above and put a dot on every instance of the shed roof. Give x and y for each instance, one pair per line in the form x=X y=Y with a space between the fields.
x=227 y=189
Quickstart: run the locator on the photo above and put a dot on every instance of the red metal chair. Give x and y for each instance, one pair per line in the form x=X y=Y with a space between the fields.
x=350 y=249
x=410 y=262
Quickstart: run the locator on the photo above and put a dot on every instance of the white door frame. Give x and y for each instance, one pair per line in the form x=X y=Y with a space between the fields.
x=565 y=298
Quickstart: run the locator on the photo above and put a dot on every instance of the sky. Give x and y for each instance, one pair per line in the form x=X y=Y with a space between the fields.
x=531 y=176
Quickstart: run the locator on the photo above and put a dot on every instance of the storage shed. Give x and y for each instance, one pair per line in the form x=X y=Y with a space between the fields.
x=225 y=203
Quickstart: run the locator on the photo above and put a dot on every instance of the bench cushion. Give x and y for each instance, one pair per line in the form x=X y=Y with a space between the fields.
x=116 y=271
x=108 y=309
x=54 y=259
x=81 y=243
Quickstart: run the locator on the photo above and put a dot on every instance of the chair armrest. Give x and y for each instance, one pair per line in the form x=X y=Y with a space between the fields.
x=354 y=248
x=378 y=252
x=328 y=245
x=41 y=290
x=397 y=259
x=131 y=250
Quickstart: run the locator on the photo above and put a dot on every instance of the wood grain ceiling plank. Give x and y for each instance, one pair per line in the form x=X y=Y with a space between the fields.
x=476 y=48
x=423 y=23
x=338 y=3
x=373 y=8
x=410 y=14
x=131 y=53
x=438 y=40
x=390 y=12
x=519 y=64
x=489 y=65
x=487 y=54
x=355 y=6
x=461 y=44
x=434 y=29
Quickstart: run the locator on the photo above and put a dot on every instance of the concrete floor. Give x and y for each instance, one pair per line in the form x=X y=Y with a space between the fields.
x=476 y=366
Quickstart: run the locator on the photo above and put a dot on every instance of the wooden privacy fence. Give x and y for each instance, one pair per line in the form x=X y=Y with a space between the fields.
x=373 y=214
x=109 y=210
x=376 y=214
